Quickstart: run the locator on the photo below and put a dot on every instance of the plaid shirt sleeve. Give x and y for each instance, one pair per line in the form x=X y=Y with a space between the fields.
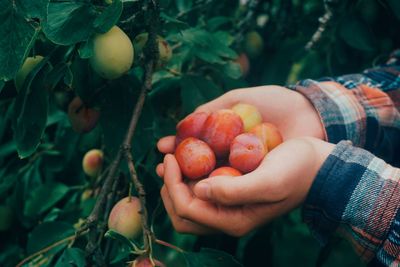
x=357 y=193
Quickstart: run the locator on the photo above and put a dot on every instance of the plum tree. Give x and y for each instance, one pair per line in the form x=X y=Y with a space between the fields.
x=92 y=162
x=195 y=158
x=165 y=51
x=82 y=118
x=125 y=217
x=29 y=64
x=113 y=53
x=249 y=114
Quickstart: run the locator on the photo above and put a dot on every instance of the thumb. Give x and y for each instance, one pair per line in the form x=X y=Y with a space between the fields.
x=227 y=190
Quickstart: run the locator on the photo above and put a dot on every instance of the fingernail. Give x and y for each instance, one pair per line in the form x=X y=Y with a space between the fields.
x=203 y=191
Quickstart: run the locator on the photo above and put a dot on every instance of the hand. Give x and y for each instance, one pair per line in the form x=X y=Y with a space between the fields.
x=236 y=205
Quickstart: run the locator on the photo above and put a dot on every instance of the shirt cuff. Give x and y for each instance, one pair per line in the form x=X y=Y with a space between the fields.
x=356 y=194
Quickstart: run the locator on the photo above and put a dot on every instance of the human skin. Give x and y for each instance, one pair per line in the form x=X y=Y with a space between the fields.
x=273 y=186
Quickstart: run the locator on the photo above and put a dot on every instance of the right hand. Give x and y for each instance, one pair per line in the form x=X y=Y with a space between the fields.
x=289 y=110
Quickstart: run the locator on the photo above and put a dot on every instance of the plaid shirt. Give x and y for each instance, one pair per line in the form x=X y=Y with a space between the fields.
x=357 y=191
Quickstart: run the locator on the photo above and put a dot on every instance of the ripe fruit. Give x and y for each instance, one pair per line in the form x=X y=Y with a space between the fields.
x=165 y=51
x=249 y=114
x=246 y=153
x=220 y=128
x=29 y=64
x=190 y=126
x=225 y=171
x=82 y=118
x=6 y=217
x=243 y=61
x=269 y=135
x=145 y=262
x=253 y=44
x=92 y=162
x=195 y=158
x=125 y=217
x=113 y=53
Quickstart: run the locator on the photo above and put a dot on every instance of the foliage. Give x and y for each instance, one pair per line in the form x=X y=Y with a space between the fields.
x=41 y=175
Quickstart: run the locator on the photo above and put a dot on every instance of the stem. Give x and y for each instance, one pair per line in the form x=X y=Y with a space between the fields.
x=164 y=243
x=34 y=255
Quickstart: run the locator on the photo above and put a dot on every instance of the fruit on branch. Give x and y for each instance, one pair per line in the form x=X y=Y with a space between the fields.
x=195 y=158
x=6 y=217
x=190 y=126
x=88 y=193
x=225 y=171
x=29 y=64
x=145 y=262
x=82 y=118
x=92 y=162
x=164 y=49
x=113 y=53
x=220 y=128
x=244 y=63
x=253 y=44
x=269 y=135
x=246 y=152
x=249 y=114
x=125 y=217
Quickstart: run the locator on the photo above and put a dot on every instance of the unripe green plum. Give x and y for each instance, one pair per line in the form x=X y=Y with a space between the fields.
x=108 y=2
x=253 y=44
x=6 y=217
x=29 y=64
x=165 y=51
x=92 y=162
x=125 y=217
x=113 y=53
x=82 y=118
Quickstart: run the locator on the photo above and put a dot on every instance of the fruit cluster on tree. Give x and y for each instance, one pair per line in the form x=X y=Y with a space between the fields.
x=88 y=87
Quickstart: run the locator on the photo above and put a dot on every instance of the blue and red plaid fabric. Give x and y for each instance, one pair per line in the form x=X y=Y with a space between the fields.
x=357 y=190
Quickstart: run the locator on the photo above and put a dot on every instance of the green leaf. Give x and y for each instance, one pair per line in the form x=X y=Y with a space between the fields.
x=2 y=83
x=72 y=257
x=30 y=111
x=43 y=198
x=86 y=49
x=357 y=34
x=17 y=39
x=210 y=257
x=48 y=233
x=109 y=17
x=68 y=23
x=196 y=90
x=232 y=70
x=183 y=5
x=395 y=7
x=127 y=242
x=33 y=9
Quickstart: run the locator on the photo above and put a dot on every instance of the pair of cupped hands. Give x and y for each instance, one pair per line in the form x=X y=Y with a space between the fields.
x=237 y=205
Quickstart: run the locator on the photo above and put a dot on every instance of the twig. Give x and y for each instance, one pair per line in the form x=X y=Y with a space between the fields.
x=151 y=57
x=161 y=242
x=34 y=255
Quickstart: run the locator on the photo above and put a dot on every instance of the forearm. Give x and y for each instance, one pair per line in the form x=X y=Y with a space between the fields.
x=357 y=195
x=363 y=108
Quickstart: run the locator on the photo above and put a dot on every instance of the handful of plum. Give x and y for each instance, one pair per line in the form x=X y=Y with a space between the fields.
x=234 y=140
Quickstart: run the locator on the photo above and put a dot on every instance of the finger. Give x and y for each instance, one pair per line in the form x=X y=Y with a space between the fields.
x=166 y=144
x=180 y=224
x=225 y=101
x=160 y=170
